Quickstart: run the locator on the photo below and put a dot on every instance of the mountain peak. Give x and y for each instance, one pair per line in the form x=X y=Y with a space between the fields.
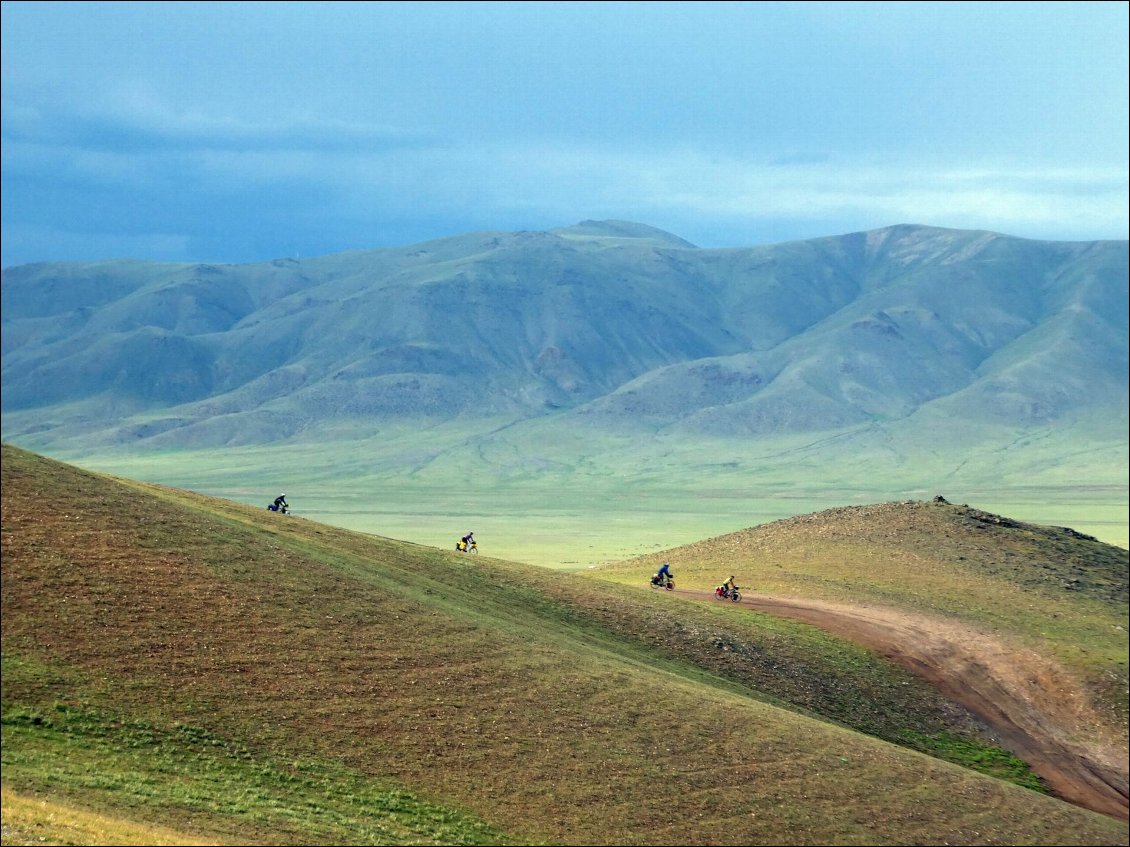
x=621 y=230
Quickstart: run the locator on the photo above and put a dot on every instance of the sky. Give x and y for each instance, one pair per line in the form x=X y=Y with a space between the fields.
x=251 y=131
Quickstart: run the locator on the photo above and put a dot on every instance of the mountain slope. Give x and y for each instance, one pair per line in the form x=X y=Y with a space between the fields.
x=548 y=706
x=618 y=322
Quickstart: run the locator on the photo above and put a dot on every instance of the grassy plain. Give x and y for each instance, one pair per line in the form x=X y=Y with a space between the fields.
x=569 y=514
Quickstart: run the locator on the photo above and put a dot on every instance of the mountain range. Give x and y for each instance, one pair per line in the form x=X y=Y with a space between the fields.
x=610 y=322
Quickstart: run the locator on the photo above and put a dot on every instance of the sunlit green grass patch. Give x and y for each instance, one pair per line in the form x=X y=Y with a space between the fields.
x=197 y=779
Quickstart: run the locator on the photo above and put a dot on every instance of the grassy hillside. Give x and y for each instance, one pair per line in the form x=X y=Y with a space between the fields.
x=243 y=677
x=1061 y=593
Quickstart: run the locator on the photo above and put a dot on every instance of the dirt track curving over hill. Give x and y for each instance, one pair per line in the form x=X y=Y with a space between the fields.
x=1024 y=698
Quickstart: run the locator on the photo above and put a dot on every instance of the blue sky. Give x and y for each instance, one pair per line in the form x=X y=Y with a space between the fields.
x=243 y=132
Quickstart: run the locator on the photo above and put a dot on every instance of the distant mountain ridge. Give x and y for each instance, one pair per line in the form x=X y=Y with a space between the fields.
x=614 y=324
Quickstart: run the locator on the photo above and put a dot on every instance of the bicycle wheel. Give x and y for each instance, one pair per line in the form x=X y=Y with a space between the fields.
x=736 y=596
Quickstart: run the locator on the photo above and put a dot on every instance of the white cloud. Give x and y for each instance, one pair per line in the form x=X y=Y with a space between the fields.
x=257 y=127
x=1086 y=202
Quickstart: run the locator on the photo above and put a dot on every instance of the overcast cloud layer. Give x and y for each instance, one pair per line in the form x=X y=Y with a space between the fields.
x=241 y=132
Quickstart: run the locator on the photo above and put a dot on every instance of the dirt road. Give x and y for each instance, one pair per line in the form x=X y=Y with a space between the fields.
x=1029 y=703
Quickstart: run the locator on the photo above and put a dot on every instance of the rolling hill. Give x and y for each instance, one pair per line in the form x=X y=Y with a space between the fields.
x=243 y=677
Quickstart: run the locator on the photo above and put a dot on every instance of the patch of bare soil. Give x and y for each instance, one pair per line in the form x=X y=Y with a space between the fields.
x=1037 y=712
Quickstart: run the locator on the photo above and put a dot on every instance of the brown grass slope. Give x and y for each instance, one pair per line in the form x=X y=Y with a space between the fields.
x=556 y=708
x=1025 y=625
x=1051 y=587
